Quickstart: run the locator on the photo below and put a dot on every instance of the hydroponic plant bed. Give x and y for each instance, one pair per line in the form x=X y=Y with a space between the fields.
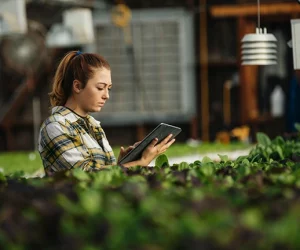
x=252 y=202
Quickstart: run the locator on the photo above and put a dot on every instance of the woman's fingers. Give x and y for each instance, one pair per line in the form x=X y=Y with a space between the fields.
x=125 y=151
x=154 y=141
x=154 y=149
x=165 y=141
x=166 y=146
x=129 y=149
x=170 y=143
x=121 y=154
x=167 y=138
x=137 y=143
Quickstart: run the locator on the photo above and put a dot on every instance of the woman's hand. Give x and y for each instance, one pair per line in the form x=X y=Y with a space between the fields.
x=153 y=150
x=124 y=151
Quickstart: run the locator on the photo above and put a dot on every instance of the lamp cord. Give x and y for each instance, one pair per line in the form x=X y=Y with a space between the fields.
x=258 y=11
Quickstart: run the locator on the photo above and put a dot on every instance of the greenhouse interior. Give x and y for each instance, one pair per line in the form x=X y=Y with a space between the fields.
x=149 y=125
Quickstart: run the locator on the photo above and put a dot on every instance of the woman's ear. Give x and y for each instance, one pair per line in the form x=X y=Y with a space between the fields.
x=77 y=86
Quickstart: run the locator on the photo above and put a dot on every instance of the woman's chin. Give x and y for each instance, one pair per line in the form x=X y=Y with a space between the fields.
x=98 y=109
x=95 y=109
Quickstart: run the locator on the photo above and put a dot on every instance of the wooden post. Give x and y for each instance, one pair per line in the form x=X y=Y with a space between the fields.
x=248 y=77
x=204 y=71
x=227 y=102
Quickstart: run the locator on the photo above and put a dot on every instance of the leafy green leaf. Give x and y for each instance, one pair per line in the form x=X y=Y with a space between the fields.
x=90 y=200
x=17 y=174
x=263 y=139
x=2 y=176
x=162 y=161
x=206 y=159
x=223 y=158
x=183 y=165
x=279 y=151
x=208 y=169
x=251 y=218
x=244 y=170
x=81 y=175
x=279 y=140
x=246 y=162
x=68 y=205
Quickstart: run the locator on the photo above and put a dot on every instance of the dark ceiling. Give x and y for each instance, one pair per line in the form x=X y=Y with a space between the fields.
x=48 y=12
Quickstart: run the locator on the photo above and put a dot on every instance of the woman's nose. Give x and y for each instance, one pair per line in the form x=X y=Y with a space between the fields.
x=106 y=94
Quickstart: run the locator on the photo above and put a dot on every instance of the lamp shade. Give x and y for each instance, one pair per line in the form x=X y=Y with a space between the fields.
x=259 y=48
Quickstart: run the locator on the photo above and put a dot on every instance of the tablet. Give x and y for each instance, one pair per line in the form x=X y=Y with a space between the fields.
x=160 y=132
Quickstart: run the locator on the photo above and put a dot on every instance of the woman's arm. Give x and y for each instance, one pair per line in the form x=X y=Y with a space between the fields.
x=63 y=150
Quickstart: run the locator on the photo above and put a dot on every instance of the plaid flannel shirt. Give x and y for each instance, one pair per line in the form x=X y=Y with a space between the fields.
x=68 y=140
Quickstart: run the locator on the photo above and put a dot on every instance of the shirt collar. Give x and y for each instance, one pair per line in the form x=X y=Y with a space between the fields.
x=73 y=117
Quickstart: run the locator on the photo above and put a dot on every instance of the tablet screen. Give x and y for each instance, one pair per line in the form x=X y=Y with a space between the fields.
x=160 y=132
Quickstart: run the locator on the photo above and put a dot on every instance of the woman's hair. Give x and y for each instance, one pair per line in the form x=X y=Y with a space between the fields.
x=74 y=65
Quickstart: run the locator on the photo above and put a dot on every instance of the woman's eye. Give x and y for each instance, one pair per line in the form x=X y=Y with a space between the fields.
x=100 y=88
x=109 y=89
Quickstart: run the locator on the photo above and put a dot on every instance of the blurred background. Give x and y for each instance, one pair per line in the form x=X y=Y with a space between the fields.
x=173 y=61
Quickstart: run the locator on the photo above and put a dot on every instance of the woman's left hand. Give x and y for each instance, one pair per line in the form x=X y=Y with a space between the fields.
x=124 y=151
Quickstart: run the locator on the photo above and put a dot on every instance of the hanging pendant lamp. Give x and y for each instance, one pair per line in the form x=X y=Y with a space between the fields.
x=259 y=48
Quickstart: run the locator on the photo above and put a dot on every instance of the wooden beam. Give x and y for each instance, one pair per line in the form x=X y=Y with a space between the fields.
x=248 y=78
x=204 y=71
x=243 y=10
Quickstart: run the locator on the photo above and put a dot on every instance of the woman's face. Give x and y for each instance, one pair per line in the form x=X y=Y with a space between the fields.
x=96 y=92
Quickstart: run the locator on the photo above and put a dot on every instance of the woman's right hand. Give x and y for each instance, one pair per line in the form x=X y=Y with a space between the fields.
x=152 y=151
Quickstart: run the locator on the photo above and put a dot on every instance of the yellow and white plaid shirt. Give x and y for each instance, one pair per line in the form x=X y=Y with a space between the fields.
x=68 y=141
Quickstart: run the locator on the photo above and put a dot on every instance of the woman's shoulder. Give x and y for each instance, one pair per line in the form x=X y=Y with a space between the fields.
x=60 y=115
x=55 y=118
x=54 y=121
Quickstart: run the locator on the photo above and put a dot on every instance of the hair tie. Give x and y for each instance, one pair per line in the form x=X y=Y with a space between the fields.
x=78 y=53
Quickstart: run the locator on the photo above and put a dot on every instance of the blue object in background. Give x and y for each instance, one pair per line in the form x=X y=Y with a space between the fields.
x=293 y=108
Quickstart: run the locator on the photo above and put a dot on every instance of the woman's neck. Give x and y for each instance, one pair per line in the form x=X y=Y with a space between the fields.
x=70 y=104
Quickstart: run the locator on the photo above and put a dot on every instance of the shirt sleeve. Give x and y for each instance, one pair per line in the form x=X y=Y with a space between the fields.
x=62 y=150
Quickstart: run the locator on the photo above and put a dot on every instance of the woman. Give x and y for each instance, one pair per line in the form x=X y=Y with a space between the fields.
x=70 y=137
